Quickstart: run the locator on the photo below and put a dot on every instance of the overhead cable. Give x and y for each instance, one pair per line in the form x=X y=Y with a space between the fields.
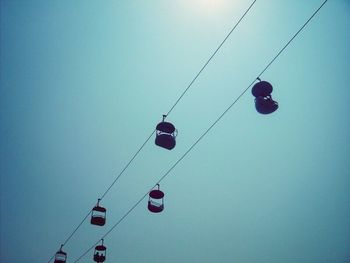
x=171 y=109
x=181 y=96
x=211 y=57
x=204 y=134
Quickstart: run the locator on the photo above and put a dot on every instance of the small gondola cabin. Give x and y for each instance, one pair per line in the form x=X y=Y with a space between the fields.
x=100 y=253
x=60 y=256
x=156 y=200
x=98 y=215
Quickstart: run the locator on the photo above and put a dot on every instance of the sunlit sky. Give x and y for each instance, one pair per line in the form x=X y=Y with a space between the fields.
x=83 y=83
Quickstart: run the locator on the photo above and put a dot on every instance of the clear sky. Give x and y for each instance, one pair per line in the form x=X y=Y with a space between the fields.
x=83 y=83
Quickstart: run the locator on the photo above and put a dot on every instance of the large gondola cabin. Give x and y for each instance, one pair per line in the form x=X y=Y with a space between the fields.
x=264 y=103
x=166 y=135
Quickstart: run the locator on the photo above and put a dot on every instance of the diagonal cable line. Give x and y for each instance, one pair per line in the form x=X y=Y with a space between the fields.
x=115 y=180
x=51 y=258
x=297 y=33
x=181 y=96
x=171 y=109
x=127 y=165
x=114 y=226
x=211 y=57
x=72 y=234
x=205 y=133
x=76 y=229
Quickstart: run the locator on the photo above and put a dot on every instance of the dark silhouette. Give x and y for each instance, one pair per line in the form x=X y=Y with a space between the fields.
x=97 y=257
x=154 y=206
x=98 y=215
x=100 y=253
x=166 y=134
x=264 y=103
x=60 y=256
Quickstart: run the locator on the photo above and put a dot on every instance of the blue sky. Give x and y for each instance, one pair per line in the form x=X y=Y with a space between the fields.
x=84 y=83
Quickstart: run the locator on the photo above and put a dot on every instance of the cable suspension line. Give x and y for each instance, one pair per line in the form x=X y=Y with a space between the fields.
x=127 y=165
x=206 y=132
x=181 y=96
x=52 y=257
x=211 y=57
x=171 y=109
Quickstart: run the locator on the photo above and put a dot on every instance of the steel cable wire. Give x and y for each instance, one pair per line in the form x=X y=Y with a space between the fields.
x=205 y=133
x=168 y=113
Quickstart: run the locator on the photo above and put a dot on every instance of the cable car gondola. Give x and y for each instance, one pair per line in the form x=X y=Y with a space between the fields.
x=100 y=253
x=156 y=201
x=166 y=134
x=60 y=256
x=264 y=103
x=98 y=215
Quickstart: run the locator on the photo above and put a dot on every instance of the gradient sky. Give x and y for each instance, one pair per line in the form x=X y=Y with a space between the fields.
x=83 y=83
